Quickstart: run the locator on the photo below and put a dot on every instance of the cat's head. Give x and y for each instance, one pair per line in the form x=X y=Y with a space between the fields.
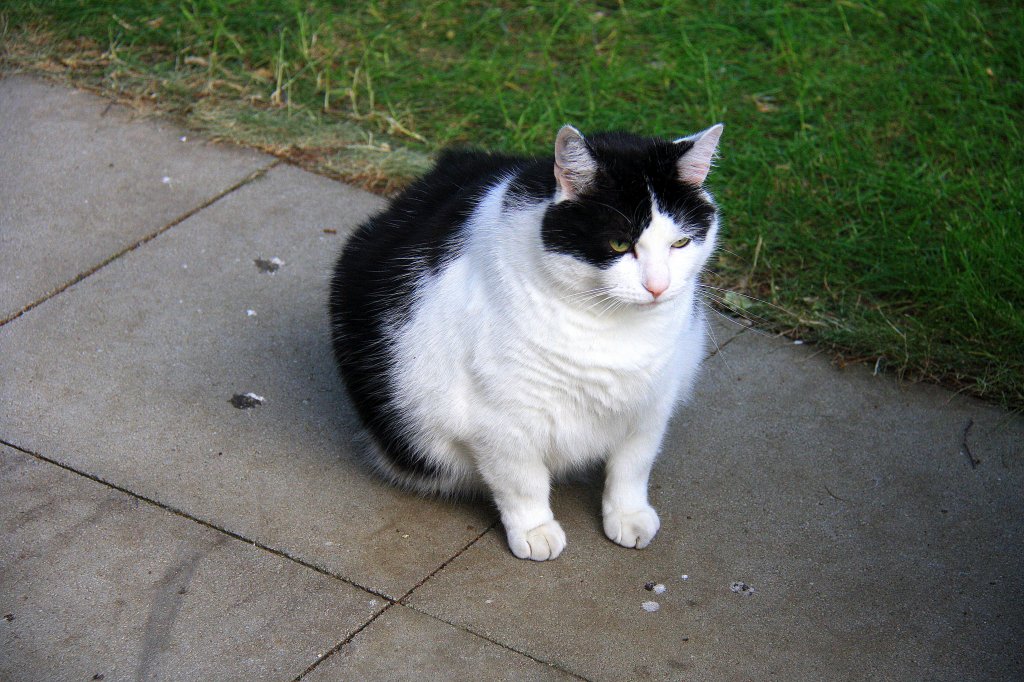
x=631 y=220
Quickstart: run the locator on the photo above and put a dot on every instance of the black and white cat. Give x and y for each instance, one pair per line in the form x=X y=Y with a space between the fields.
x=507 y=320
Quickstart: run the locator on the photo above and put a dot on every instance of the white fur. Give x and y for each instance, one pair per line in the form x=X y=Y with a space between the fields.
x=574 y=166
x=517 y=365
x=695 y=165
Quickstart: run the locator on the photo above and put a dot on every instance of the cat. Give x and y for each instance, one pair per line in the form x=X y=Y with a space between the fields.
x=509 y=320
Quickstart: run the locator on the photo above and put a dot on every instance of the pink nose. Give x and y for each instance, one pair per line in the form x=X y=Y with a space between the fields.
x=656 y=288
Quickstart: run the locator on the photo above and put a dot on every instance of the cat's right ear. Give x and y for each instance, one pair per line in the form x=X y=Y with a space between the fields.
x=696 y=161
x=574 y=165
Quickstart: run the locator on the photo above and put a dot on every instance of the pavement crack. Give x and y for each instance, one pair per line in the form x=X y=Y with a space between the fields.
x=212 y=526
x=255 y=175
x=337 y=647
x=488 y=529
x=507 y=647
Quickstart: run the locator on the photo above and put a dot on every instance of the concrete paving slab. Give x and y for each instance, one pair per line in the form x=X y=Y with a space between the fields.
x=128 y=376
x=95 y=584
x=405 y=645
x=77 y=184
x=870 y=547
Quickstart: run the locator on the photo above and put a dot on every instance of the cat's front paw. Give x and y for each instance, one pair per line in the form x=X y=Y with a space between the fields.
x=544 y=542
x=635 y=528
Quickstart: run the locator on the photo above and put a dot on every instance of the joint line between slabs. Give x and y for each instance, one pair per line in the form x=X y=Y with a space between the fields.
x=337 y=647
x=389 y=602
x=255 y=175
x=444 y=564
x=178 y=512
x=495 y=642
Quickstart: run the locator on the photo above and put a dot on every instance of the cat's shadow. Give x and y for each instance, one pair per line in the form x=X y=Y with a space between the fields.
x=297 y=373
x=579 y=498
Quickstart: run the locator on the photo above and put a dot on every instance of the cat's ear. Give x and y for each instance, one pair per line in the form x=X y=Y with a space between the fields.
x=695 y=163
x=574 y=165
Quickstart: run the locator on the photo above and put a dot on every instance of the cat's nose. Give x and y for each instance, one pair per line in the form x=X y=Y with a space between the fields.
x=656 y=288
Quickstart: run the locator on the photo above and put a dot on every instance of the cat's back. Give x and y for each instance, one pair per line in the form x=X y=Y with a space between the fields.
x=390 y=256
x=421 y=229
x=435 y=208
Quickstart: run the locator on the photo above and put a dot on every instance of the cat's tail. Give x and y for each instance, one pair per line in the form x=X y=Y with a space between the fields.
x=447 y=482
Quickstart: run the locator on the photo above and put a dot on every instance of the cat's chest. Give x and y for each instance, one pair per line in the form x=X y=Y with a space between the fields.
x=555 y=360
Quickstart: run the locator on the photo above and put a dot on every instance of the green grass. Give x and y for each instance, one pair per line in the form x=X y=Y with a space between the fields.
x=871 y=166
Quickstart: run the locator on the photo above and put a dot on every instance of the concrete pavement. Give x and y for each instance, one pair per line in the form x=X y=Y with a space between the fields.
x=830 y=523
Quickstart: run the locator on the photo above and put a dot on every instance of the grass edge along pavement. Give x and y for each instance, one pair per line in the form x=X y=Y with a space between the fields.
x=870 y=177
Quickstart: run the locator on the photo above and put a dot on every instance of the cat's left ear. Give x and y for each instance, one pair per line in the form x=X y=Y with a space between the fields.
x=574 y=166
x=695 y=163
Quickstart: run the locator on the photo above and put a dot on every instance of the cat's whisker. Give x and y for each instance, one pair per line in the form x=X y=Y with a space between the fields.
x=752 y=298
x=732 y=253
x=714 y=340
x=730 y=320
x=589 y=293
x=609 y=305
x=738 y=312
x=613 y=305
x=591 y=303
x=601 y=203
x=640 y=208
x=595 y=303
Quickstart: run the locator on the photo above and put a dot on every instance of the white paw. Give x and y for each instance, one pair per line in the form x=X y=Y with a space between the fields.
x=544 y=542
x=632 y=528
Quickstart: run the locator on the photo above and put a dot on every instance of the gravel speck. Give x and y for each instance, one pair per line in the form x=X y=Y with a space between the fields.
x=245 y=401
x=268 y=265
x=650 y=606
x=742 y=588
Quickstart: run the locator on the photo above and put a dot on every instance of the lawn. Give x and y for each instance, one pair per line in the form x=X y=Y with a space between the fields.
x=871 y=170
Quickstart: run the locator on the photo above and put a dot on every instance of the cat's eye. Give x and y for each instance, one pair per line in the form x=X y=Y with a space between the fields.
x=619 y=246
x=680 y=243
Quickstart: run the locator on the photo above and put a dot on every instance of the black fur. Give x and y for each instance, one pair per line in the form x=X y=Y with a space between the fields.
x=374 y=279
x=617 y=204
